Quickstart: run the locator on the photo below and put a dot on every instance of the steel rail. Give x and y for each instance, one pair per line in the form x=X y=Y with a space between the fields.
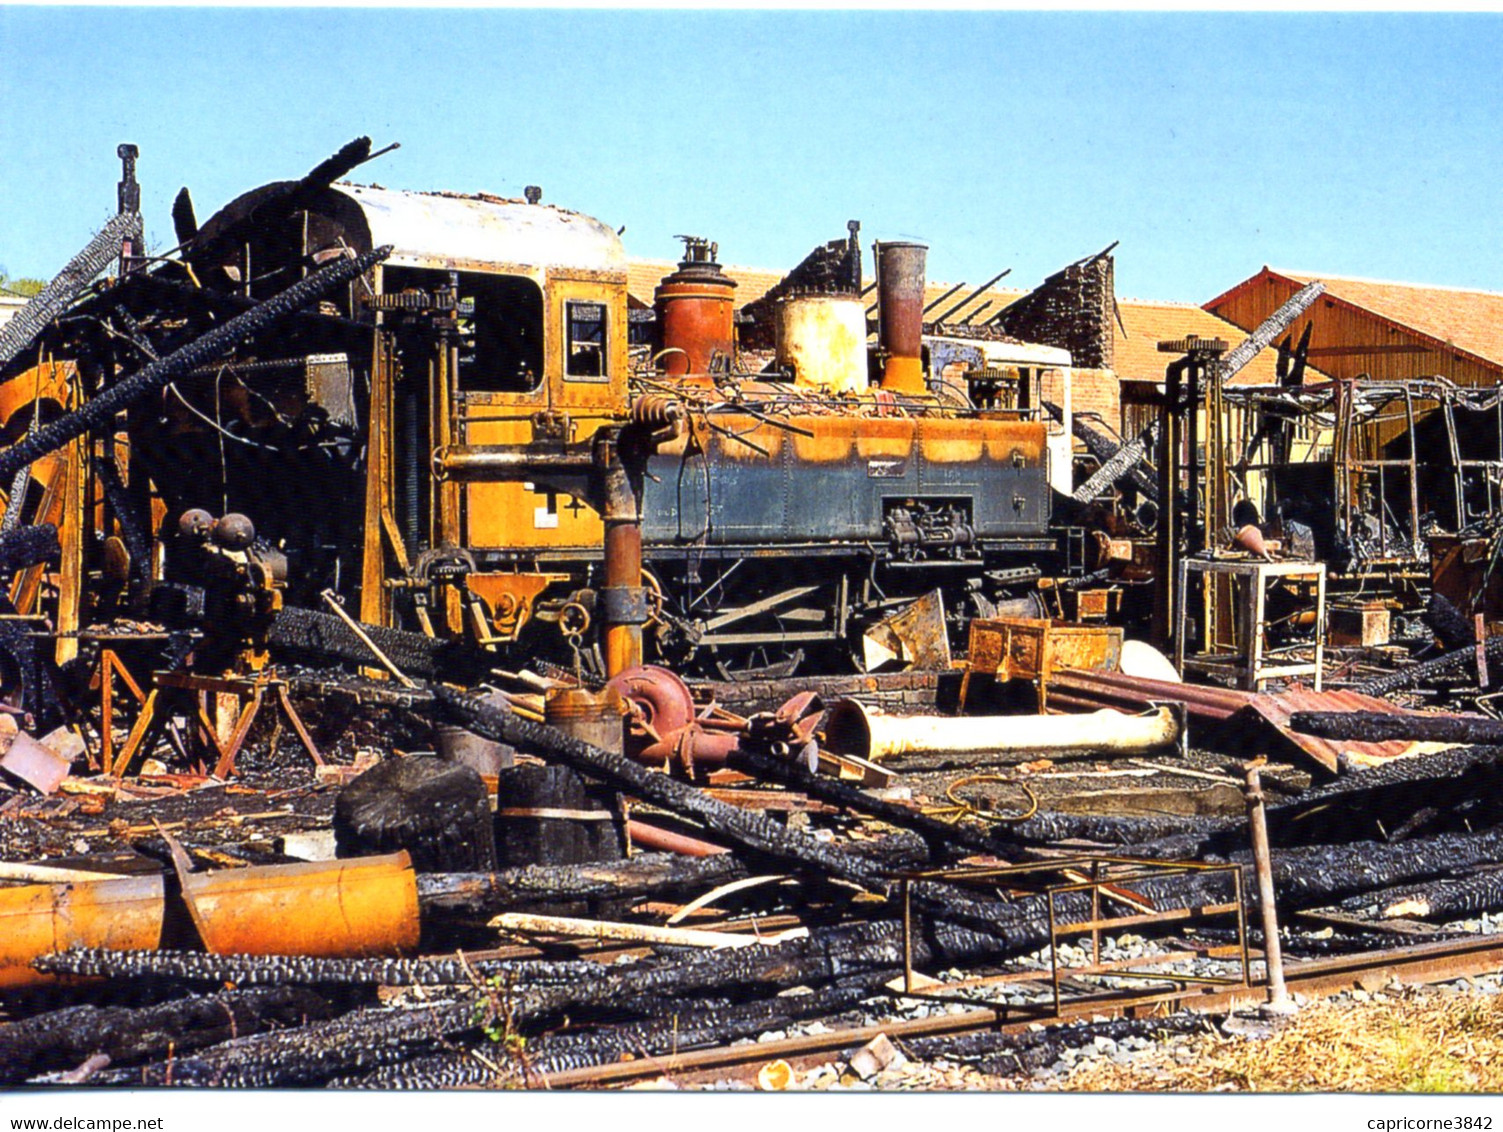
x=1412 y=965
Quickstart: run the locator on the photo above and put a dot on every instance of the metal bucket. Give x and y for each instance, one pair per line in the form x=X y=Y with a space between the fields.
x=486 y=757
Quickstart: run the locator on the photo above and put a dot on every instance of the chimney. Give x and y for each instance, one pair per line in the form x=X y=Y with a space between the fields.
x=900 y=315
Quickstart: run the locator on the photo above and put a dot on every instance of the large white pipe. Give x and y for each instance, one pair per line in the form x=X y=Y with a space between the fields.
x=855 y=729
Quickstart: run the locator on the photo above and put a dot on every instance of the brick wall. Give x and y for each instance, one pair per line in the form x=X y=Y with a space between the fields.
x=1097 y=391
x=1073 y=309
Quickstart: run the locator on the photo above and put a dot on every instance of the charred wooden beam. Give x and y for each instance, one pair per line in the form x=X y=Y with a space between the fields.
x=1271 y=327
x=1445 y=899
x=53 y=299
x=937 y=834
x=225 y=230
x=1104 y=448
x=654 y=874
x=1446 y=663
x=100 y=410
x=63 y=1038
x=1379 y=727
x=751 y=832
x=303 y=970
x=308 y=632
x=1119 y=465
x=1310 y=877
x=744 y=828
x=692 y=1025
x=1388 y=793
x=27 y=547
x=1451 y=627
x=310 y=1055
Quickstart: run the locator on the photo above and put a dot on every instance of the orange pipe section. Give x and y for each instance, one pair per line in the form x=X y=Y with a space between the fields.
x=358 y=907
x=39 y=919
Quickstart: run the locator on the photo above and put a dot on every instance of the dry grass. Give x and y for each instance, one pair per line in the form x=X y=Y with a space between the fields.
x=1403 y=1042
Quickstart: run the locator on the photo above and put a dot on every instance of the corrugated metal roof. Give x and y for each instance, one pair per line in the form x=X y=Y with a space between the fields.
x=1277 y=710
x=1110 y=689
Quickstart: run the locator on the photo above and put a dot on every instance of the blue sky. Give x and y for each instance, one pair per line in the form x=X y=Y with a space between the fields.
x=1207 y=143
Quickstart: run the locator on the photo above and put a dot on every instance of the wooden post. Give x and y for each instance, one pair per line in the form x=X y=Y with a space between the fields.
x=1481 y=623
x=1273 y=957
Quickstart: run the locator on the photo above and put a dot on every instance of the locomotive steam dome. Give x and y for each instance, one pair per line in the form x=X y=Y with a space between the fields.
x=696 y=311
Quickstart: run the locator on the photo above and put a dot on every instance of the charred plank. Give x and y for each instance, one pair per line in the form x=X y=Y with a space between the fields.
x=1378 y=727
x=655 y=874
x=64 y=1038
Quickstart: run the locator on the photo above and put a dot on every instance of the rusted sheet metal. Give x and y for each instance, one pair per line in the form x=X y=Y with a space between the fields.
x=1094 y=689
x=1277 y=710
x=915 y=637
x=359 y=907
x=1027 y=648
x=39 y=919
x=447 y=230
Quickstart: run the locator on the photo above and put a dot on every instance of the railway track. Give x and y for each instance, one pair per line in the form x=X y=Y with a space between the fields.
x=1411 y=965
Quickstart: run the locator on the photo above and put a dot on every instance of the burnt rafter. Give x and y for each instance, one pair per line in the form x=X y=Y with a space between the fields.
x=214 y=344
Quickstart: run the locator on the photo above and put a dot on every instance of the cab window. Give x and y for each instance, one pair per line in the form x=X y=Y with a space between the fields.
x=500 y=326
x=585 y=341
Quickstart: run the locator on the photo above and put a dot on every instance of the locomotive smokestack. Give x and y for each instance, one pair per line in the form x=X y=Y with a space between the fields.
x=900 y=314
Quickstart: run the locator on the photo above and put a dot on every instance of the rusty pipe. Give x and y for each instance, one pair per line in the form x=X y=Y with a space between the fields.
x=855 y=729
x=623 y=598
x=646 y=836
x=1150 y=689
x=506 y=462
x=900 y=314
x=1278 y=997
x=691 y=746
x=1088 y=698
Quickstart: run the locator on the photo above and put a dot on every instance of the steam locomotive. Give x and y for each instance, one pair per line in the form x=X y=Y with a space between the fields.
x=427 y=442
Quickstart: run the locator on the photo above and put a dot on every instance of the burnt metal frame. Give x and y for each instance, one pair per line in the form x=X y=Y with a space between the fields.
x=1252 y=667
x=1103 y=871
x=1354 y=407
